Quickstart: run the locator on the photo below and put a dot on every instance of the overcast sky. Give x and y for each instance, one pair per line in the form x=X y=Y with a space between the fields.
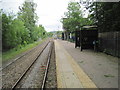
x=49 y=11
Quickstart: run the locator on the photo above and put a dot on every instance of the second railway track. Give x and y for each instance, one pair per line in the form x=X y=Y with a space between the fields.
x=17 y=58
x=14 y=84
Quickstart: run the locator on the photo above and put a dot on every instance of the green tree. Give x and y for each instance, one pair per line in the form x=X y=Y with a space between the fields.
x=74 y=17
x=72 y=22
x=106 y=15
x=14 y=32
x=39 y=32
x=21 y=29
x=6 y=22
x=29 y=17
x=42 y=31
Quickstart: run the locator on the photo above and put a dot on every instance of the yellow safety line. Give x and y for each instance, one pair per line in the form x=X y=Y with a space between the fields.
x=59 y=82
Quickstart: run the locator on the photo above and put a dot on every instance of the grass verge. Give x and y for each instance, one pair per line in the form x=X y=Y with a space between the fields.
x=16 y=51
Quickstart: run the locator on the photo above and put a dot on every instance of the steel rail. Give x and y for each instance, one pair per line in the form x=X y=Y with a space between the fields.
x=17 y=82
x=46 y=70
x=17 y=59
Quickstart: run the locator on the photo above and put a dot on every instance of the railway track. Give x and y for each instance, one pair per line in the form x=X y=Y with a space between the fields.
x=12 y=81
x=46 y=70
x=47 y=66
x=17 y=59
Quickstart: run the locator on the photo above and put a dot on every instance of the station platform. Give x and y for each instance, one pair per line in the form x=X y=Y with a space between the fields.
x=69 y=73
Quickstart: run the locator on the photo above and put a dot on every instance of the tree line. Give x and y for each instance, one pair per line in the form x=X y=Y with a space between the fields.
x=74 y=18
x=105 y=15
x=21 y=29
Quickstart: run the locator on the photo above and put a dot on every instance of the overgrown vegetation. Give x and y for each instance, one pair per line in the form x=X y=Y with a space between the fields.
x=18 y=50
x=105 y=15
x=20 y=32
x=21 y=29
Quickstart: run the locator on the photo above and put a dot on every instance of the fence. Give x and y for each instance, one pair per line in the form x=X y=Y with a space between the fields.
x=109 y=42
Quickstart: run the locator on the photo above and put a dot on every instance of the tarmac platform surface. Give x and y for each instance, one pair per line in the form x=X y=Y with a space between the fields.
x=100 y=67
x=69 y=73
